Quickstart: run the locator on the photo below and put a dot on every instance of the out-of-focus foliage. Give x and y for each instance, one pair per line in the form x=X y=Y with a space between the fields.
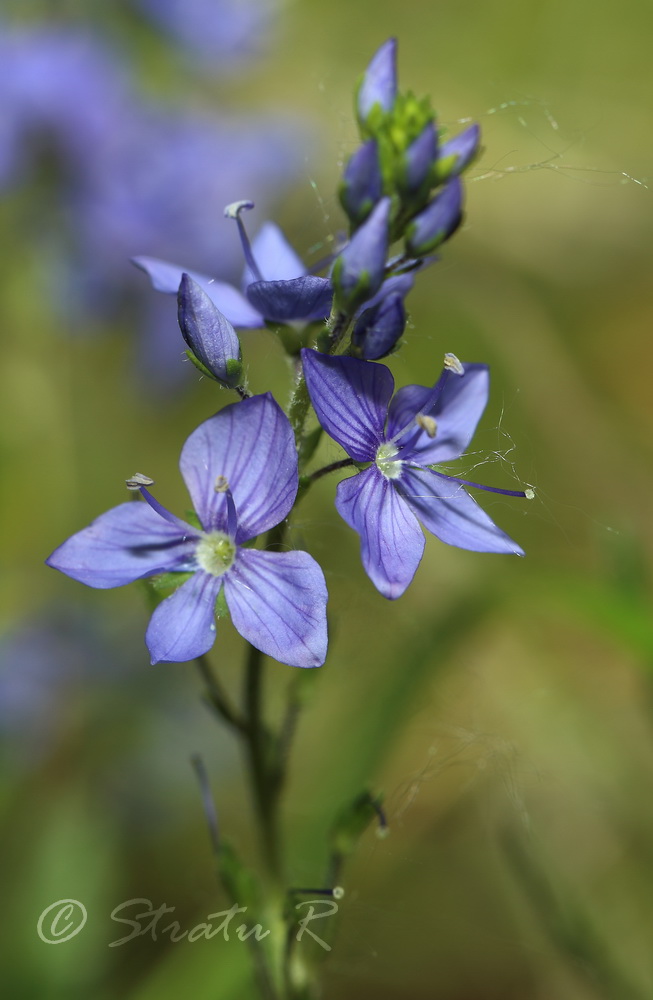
x=503 y=705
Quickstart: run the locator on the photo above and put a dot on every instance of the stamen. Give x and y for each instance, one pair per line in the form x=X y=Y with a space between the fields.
x=137 y=480
x=427 y=424
x=222 y=486
x=452 y=364
x=429 y=403
x=487 y=489
x=382 y=829
x=336 y=893
x=529 y=493
x=233 y=211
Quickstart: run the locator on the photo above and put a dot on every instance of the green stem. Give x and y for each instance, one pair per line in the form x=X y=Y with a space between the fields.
x=217 y=697
x=326 y=469
x=262 y=758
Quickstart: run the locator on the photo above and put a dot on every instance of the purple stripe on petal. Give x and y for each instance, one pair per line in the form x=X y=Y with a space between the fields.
x=307 y=298
x=277 y=601
x=446 y=509
x=392 y=542
x=126 y=543
x=351 y=399
x=276 y=259
x=183 y=626
x=166 y=277
x=252 y=446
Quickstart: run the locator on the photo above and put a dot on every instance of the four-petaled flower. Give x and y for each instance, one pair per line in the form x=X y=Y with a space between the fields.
x=402 y=438
x=276 y=284
x=240 y=467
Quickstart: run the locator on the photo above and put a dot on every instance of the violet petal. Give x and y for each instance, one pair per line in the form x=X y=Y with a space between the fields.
x=126 y=543
x=277 y=601
x=457 y=411
x=183 y=626
x=351 y=399
x=166 y=277
x=276 y=258
x=251 y=445
x=307 y=298
x=392 y=542
x=447 y=510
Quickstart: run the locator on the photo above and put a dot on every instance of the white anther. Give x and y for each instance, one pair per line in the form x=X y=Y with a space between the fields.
x=221 y=484
x=427 y=424
x=233 y=210
x=337 y=892
x=452 y=364
x=529 y=493
x=137 y=480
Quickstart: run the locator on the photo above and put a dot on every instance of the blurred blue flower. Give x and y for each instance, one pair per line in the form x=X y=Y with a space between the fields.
x=222 y=33
x=122 y=173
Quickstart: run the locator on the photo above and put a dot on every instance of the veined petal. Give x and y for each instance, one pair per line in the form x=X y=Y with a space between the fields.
x=166 y=277
x=392 y=542
x=351 y=399
x=306 y=298
x=277 y=601
x=183 y=626
x=126 y=543
x=251 y=445
x=276 y=259
x=456 y=411
x=447 y=510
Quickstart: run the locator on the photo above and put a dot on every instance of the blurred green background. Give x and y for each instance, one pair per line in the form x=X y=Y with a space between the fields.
x=504 y=706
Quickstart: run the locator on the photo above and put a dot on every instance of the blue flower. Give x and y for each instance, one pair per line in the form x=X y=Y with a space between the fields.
x=403 y=438
x=240 y=467
x=222 y=33
x=277 y=285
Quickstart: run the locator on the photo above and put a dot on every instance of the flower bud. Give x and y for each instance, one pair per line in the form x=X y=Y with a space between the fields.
x=212 y=340
x=362 y=184
x=358 y=270
x=378 y=329
x=379 y=83
x=419 y=161
x=456 y=155
x=437 y=222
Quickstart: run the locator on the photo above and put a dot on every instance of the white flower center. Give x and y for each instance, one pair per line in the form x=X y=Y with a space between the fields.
x=215 y=553
x=385 y=460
